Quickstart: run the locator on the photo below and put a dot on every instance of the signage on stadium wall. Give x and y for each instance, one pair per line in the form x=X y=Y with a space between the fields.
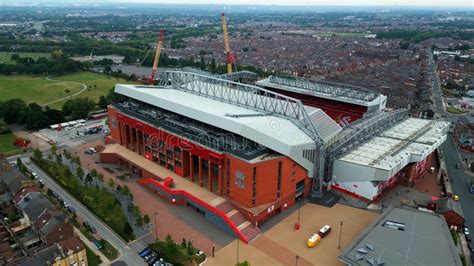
x=240 y=179
x=271 y=208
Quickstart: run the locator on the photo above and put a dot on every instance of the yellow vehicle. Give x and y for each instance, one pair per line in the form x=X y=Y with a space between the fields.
x=456 y=197
x=313 y=240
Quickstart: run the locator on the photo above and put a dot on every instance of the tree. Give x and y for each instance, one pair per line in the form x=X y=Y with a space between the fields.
x=88 y=178
x=100 y=177
x=11 y=110
x=80 y=172
x=37 y=155
x=125 y=190
x=103 y=102
x=78 y=108
x=202 y=63
x=54 y=149
x=139 y=220
x=243 y=263
x=111 y=183
x=146 y=219
x=213 y=65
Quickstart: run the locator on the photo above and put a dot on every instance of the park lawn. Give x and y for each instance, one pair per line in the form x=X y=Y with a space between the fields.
x=5 y=57
x=34 y=89
x=92 y=258
x=6 y=144
x=97 y=84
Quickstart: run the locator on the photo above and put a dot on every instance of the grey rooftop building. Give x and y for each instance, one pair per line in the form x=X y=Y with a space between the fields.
x=404 y=236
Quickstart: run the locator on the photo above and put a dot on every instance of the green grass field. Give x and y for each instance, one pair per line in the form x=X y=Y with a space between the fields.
x=38 y=89
x=97 y=84
x=34 y=89
x=6 y=144
x=5 y=57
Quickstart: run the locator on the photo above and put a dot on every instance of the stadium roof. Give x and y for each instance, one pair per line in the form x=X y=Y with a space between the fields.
x=380 y=158
x=404 y=236
x=325 y=89
x=273 y=131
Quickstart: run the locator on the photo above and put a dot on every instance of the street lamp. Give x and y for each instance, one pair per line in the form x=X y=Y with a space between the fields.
x=296 y=262
x=156 y=230
x=340 y=235
x=238 y=240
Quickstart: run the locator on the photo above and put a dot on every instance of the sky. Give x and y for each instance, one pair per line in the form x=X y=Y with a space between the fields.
x=447 y=3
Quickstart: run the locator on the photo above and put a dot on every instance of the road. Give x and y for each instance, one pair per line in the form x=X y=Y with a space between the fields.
x=127 y=255
x=437 y=93
x=460 y=179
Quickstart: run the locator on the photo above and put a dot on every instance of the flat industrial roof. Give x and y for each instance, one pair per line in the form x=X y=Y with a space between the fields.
x=412 y=140
x=404 y=236
x=275 y=132
x=329 y=92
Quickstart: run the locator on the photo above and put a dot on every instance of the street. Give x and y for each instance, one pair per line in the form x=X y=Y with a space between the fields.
x=437 y=94
x=127 y=254
x=459 y=177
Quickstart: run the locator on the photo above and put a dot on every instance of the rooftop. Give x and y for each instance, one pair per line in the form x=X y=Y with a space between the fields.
x=280 y=130
x=411 y=140
x=404 y=236
x=326 y=89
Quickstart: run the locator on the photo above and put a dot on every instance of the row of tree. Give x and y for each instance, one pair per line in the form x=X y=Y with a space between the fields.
x=34 y=116
x=58 y=64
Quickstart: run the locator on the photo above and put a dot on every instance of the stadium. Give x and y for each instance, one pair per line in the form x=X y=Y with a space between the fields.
x=239 y=153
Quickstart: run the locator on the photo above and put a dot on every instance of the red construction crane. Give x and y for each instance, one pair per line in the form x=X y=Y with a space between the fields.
x=228 y=53
x=159 y=44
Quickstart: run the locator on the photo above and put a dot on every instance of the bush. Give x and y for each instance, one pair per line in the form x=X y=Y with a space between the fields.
x=454 y=234
x=177 y=254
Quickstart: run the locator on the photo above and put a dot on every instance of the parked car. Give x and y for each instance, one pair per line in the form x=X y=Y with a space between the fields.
x=456 y=197
x=471 y=190
x=145 y=252
x=466 y=230
x=324 y=231
x=458 y=165
x=149 y=257
x=41 y=181
x=152 y=261
x=468 y=239
x=97 y=243
x=34 y=174
x=65 y=204
x=92 y=229
x=71 y=209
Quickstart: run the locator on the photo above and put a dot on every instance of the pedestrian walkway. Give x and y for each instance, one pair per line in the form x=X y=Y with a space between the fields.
x=278 y=252
x=169 y=219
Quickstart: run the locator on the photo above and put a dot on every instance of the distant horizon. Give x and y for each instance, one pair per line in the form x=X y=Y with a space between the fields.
x=264 y=3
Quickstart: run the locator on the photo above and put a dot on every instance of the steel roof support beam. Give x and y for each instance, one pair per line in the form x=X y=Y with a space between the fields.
x=331 y=88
